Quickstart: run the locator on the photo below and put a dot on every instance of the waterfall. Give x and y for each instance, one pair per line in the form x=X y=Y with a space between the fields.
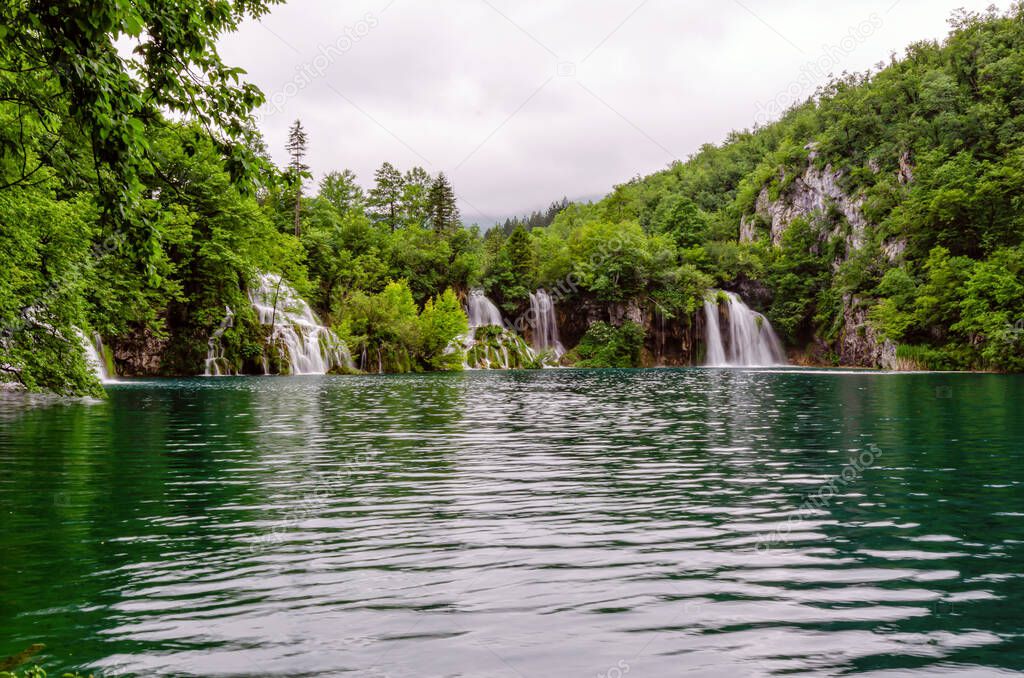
x=94 y=356
x=482 y=311
x=545 y=324
x=303 y=343
x=215 y=354
x=749 y=340
x=498 y=349
x=713 y=334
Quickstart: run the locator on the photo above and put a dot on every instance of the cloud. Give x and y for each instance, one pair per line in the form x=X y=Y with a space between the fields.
x=522 y=103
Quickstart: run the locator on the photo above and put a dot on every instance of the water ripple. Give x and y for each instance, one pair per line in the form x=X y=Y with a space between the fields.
x=563 y=523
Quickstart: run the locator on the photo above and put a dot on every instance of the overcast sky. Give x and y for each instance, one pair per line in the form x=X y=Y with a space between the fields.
x=521 y=103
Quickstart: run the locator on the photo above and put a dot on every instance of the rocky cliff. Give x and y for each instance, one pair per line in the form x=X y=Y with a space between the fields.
x=670 y=342
x=817 y=196
x=810 y=196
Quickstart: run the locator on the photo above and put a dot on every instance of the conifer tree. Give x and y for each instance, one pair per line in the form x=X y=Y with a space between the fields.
x=297 y=167
x=386 y=196
x=444 y=211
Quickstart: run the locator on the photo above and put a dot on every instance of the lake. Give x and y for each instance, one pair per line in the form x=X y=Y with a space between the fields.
x=554 y=523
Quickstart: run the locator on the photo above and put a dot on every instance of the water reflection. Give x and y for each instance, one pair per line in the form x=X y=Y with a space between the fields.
x=556 y=523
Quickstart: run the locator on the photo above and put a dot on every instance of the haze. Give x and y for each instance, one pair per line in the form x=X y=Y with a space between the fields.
x=522 y=103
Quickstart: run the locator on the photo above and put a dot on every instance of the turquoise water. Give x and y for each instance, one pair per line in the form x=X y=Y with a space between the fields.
x=556 y=523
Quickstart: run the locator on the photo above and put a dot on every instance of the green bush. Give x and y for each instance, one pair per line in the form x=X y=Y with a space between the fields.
x=605 y=346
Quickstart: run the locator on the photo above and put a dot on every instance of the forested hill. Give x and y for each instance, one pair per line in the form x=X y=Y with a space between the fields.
x=880 y=223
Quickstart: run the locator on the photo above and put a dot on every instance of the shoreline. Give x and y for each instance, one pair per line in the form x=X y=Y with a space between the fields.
x=16 y=389
x=840 y=369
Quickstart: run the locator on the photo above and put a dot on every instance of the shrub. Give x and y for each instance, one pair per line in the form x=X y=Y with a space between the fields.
x=605 y=346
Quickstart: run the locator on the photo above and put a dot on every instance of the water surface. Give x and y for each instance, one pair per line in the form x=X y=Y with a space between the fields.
x=556 y=523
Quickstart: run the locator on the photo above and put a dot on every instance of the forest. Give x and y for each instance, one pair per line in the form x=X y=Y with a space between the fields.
x=878 y=224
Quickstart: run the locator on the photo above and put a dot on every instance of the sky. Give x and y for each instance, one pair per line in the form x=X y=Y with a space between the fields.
x=522 y=103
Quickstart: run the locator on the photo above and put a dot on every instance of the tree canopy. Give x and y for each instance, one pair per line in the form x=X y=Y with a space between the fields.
x=142 y=227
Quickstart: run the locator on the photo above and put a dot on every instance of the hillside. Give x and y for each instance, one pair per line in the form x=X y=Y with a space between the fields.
x=879 y=224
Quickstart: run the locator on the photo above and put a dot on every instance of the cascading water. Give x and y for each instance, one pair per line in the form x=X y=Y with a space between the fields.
x=216 y=365
x=303 y=343
x=713 y=334
x=489 y=344
x=482 y=311
x=545 y=324
x=94 y=355
x=749 y=340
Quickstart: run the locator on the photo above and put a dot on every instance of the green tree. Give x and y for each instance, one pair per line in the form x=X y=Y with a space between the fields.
x=297 y=168
x=679 y=217
x=611 y=261
x=893 y=316
x=416 y=197
x=215 y=240
x=386 y=196
x=509 y=279
x=444 y=210
x=992 y=310
x=62 y=61
x=80 y=132
x=341 y=191
x=605 y=346
x=441 y=322
x=41 y=293
x=385 y=327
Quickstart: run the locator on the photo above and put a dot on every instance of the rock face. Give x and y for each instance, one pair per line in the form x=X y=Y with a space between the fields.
x=816 y=195
x=139 y=355
x=753 y=292
x=813 y=194
x=859 y=344
x=574 y=320
x=668 y=343
x=906 y=173
x=894 y=249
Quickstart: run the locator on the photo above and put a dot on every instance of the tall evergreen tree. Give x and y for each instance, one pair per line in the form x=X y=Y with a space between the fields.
x=444 y=211
x=520 y=255
x=297 y=167
x=386 y=196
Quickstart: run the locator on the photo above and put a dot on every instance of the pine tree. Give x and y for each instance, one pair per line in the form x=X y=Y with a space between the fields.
x=386 y=196
x=520 y=254
x=444 y=211
x=297 y=167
